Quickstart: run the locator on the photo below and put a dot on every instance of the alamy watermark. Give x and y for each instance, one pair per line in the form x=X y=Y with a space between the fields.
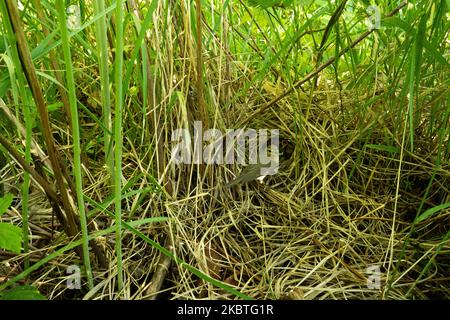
x=227 y=148
x=374 y=19
x=74 y=278
x=374 y=277
x=73 y=17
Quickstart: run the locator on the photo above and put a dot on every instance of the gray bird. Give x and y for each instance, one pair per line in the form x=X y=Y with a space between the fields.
x=254 y=172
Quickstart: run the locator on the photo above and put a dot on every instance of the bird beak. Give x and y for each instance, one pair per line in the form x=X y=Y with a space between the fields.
x=261 y=179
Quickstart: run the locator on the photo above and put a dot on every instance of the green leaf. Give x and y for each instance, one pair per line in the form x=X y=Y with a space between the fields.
x=22 y=293
x=408 y=28
x=270 y=3
x=396 y=22
x=382 y=147
x=55 y=106
x=2 y=44
x=432 y=211
x=10 y=237
x=5 y=203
